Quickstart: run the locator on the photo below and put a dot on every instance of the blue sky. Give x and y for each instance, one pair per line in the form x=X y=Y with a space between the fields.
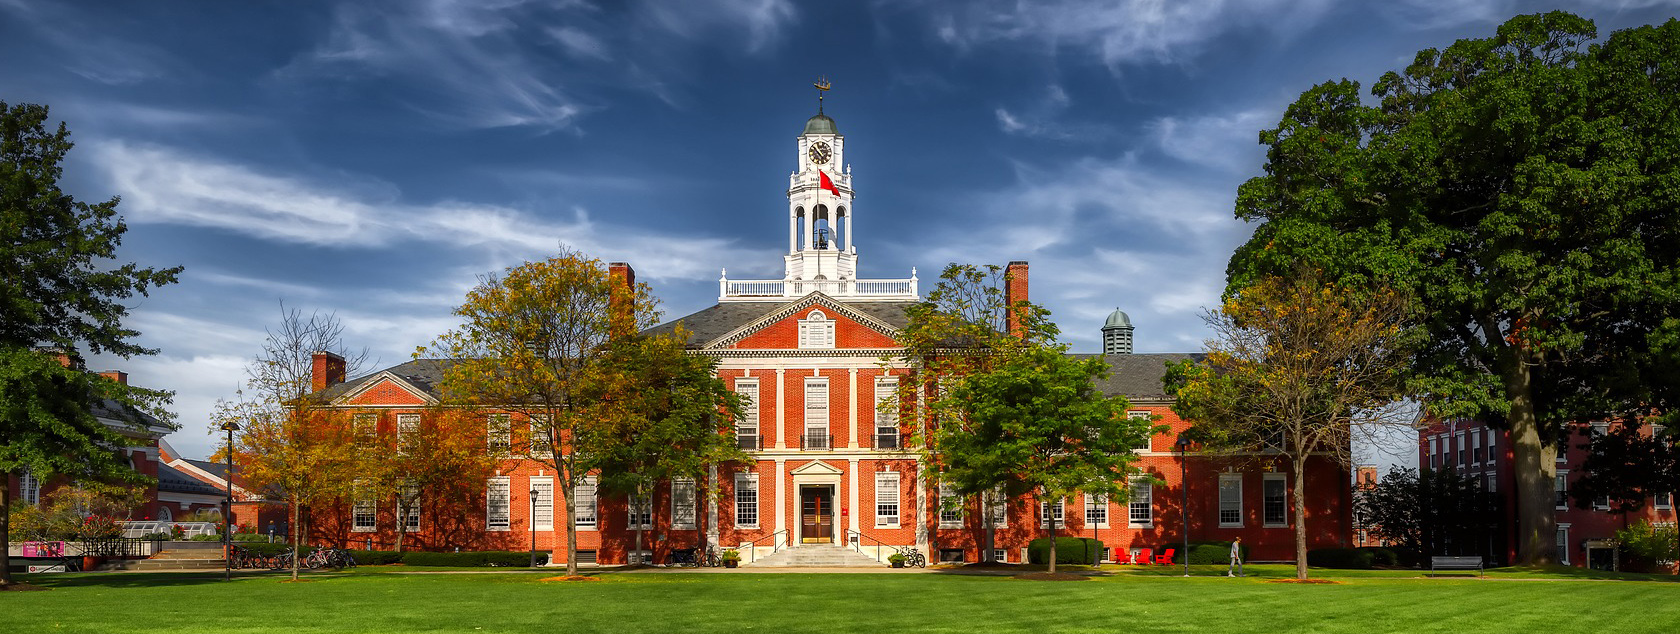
x=373 y=158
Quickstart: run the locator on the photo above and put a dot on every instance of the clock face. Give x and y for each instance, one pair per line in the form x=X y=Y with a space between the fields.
x=820 y=153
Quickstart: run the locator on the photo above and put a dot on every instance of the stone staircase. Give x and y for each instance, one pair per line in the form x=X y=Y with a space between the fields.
x=179 y=559
x=816 y=556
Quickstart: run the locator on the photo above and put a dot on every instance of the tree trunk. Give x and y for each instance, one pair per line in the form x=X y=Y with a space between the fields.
x=1300 y=503
x=1536 y=466
x=402 y=522
x=297 y=538
x=570 y=493
x=6 y=529
x=1052 y=542
x=990 y=540
x=638 y=549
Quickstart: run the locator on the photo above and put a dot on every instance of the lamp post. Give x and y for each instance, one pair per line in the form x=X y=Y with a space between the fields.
x=1182 y=445
x=534 y=527
x=227 y=515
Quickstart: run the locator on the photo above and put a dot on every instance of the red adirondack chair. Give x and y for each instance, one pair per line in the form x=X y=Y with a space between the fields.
x=1165 y=558
x=1143 y=556
x=1123 y=557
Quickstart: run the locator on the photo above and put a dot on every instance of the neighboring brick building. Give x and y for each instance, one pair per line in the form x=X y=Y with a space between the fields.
x=807 y=351
x=1474 y=449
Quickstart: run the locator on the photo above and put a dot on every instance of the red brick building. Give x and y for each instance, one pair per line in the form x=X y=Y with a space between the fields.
x=1584 y=536
x=832 y=468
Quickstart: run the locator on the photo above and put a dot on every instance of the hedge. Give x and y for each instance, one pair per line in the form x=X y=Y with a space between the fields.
x=1069 y=550
x=1382 y=556
x=1347 y=558
x=1203 y=553
x=475 y=559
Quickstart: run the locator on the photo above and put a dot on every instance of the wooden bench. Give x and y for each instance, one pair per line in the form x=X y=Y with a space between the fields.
x=1457 y=563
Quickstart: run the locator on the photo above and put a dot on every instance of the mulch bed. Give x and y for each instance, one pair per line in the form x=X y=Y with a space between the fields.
x=1051 y=576
x=1311 y=581
x=22 y=587
x=571 y=578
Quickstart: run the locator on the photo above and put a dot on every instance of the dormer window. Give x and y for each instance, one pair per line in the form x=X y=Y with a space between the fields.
x=816 y=331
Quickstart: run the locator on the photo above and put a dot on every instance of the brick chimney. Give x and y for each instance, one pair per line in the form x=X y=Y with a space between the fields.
x=622 y=302
x=66 y=358
x=1014 y=291
x=119 y=376
x=326 y=370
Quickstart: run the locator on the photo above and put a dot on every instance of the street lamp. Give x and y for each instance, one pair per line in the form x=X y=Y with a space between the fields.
x=1182 y=445
x=227 y=515
x=534 y=527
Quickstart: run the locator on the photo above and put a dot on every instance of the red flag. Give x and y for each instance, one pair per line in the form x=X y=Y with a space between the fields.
x=824 y=183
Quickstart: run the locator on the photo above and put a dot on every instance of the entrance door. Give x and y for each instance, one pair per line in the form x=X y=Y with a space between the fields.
x=816 y=504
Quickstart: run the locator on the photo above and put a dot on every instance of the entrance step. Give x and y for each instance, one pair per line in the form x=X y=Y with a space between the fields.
x=180 y=559
x=816 y=556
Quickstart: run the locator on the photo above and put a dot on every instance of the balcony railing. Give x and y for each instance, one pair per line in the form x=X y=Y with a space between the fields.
x=729 y=289
x=749 y=442
x=888 y=440
x=815 y=441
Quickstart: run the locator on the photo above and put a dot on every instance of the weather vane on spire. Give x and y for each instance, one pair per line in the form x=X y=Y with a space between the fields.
x=822 y=87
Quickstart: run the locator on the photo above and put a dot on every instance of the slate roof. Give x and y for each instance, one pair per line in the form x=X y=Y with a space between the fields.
x=723 y=318
x=169 y=479
x=424 y=374
x=1138 y=376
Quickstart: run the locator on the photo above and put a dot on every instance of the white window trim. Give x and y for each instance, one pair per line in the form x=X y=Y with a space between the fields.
x=1096 y=501
x=357 y=505
x=747 y=389
x=1000 y=555
x=413 y=511
x=1149 y=444
x=889 y=481
x=490 y=504
x=886 y=408
x=1220 y=505
x=1662 y=501
x=945 y=496
x=587 y=495
x=748 y=480
x=536 y=440
x=542 y=520
x=364 y=423
x=1562 y=477
x=630 y=505
x=1143 y=482
x=816 y=332
x=1045 y=513
x=693 y=510
x=1280 y=477
x=813 y=422
x=404 y=429
x=29 y=488
x=999 y=501
x=498 y=442
x=1563 y=529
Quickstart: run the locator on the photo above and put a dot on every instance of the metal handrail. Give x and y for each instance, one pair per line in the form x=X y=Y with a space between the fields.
x=888 y=441
x=857 y=544
x=749 y=442
x=816 y=440
x=751 y=545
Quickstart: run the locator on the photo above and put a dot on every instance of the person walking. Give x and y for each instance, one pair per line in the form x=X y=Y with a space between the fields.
x=1236 y=559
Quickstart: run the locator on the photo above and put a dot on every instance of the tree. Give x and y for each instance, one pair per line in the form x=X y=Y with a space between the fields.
x=967 y=324
x=1293 y=366
x=529 y=341
x=666 y=408
x=425 y=461
x=59 y=289
x=288 y=444
x=1519 y=189
x=1431 y=513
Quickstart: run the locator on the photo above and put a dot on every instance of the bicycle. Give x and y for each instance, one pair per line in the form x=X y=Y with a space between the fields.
x=913 y=557
x=693 y=558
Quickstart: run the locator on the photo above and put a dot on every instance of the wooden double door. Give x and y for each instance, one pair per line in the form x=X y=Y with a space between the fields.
x=816 y=514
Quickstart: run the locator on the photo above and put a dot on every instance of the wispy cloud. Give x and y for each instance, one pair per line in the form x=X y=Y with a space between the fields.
x=1117 y=31
x=1227 y=142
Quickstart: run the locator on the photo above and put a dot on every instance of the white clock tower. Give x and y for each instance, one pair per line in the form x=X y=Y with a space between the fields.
x=820 y=218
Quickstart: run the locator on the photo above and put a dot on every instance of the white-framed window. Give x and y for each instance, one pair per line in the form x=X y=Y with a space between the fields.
x=1140 y=509
x=1141 y=415
x=816 y=330
x=1434 y=452
x=746 y=500
x=639 y=512
x=1492 y=440
x=498 y=434
x=542 y=507
x=1601 y=501
x=886 y=413
x=1000 y=555
x=29 y=488
x=746 y=427
x=1274 y=502
x=1096 y=510
x=1230 y=500
x=1563 y=544
x=586 y=508
x=950 y=507
x=536 y=441
x=1663 y=501
x=683 y=506
x=364 y=511
x=997 y=503
x=1492 y=483
x=886 y=499
x=364 y=425
x=408 y=429
x=1476 y=448
x=1048 y=511
x=411 y=515
x=497 y=514
x=816 y=413
x=1560 y=487
x=1458 y=442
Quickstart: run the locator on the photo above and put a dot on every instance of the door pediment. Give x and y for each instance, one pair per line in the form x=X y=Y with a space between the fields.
x=817 y=467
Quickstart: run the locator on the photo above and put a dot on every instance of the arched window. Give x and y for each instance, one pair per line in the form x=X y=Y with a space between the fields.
x=816 y=331
x=165 y=515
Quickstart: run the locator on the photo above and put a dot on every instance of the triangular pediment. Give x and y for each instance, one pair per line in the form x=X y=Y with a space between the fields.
x=817 y=467
x=815 y=299
x=386 y=388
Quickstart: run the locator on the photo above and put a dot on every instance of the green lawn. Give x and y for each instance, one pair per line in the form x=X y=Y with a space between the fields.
x=383 y=600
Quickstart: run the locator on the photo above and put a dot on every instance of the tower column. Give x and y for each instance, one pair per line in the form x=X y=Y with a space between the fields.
x=793 y=229
x=848 y=230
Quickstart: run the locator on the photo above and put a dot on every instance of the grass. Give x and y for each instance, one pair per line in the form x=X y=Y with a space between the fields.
x=1136 y=600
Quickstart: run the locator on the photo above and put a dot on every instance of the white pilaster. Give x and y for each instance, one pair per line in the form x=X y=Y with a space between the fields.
x=781 y=495
x=852 y=491
x=853 y=394
x=781 y=412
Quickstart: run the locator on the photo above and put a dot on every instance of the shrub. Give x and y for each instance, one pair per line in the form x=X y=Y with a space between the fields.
x=1204 y=553
x=1346 y=558
x=1069 y=550
x=159 y=536
x=1381 y=555
x=377 y=557
x=476 y=559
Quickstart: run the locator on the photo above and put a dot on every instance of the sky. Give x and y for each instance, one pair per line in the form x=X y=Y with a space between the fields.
x=372 y=159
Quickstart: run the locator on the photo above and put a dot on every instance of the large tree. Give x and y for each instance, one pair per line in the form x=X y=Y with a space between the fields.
x=531 y=339
x=1293 y=367
x=60 y=288
x=1520 y=188
x=286 y=442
